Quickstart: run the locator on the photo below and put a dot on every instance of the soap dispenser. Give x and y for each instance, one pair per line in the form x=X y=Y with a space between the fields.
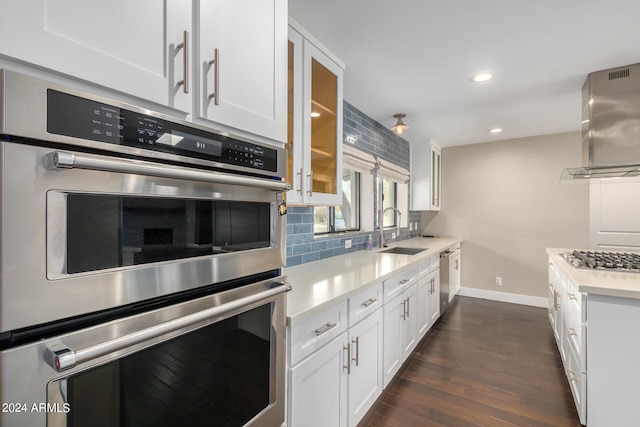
x=370 y=243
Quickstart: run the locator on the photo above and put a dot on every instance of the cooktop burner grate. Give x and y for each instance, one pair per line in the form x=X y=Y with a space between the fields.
x=599 y=260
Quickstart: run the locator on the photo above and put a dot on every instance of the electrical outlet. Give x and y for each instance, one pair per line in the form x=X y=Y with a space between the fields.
x=393 y=235
x=410 y=226
x=347 y=244
x=498 y=281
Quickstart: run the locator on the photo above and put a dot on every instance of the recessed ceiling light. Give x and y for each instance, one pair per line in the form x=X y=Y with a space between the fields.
x=495 y=130
x=315 y=114
x=482 y=77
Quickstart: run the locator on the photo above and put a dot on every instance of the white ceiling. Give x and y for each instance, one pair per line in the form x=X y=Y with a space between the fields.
x=418 y=57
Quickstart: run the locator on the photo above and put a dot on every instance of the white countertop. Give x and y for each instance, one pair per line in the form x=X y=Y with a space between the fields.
x=599 y=282
x=320 y=284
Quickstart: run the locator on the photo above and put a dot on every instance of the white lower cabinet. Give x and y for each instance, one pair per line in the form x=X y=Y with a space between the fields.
x=318 y=388
x=428 y=297
x=400 y=330
x=433 y=297
x=365 y=366
x=568 y=319
x=336 y=384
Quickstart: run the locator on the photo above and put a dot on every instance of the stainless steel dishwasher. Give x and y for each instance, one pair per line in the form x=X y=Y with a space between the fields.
x=449 y=277
x=445 y=258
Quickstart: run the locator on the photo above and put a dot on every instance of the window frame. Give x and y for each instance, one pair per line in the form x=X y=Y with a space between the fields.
x=331 y=210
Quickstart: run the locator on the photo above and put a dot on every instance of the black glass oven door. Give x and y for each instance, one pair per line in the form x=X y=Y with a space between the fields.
x=218 y=375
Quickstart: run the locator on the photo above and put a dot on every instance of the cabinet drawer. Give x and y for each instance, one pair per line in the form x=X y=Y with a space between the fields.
x=574 y=301
x=424 y=267
x=428 y=265
x=317 y=331
x=364 y=303
x=396 y=284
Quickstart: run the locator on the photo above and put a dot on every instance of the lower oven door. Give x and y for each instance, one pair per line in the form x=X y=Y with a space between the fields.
x=217 y=360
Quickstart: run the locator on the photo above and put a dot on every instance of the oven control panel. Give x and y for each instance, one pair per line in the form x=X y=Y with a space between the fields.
x=87 y=119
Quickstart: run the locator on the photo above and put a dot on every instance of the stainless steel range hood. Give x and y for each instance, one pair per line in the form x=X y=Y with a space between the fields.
x=610 y=125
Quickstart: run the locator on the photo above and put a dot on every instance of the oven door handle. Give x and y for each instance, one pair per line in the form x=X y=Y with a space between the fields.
x=61 y=358
x=61 y=160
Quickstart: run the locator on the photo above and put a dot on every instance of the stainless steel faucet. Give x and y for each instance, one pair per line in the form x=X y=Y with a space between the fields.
x=380 y=227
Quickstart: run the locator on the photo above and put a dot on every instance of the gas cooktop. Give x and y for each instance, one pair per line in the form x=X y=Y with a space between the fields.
x=600 y=260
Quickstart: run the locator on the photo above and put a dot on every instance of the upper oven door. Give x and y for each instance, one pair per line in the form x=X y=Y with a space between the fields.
x=83 y=232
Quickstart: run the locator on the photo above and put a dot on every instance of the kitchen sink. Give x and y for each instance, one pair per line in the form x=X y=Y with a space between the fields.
x=403 y=251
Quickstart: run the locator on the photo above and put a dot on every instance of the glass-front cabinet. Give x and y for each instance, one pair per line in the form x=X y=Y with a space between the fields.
x=314 y=139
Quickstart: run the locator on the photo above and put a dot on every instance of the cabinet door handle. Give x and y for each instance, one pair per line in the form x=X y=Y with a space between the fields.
x=216 y=77
x=408 y=314
x=404 y=310
x=555 y=300
x=310 y=175
x=185 y=62
x=357 y=343
x=457 y=264
x=348 y=365
x=572 y=376
x=325 y=328
x=572 y=296
x=301 y=181
x=572 y=331
x=368 y=303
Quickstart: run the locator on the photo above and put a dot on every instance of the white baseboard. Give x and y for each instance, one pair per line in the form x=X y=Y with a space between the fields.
x=504 y=297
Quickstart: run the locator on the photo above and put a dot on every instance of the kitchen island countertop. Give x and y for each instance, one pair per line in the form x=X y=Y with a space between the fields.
x=320 y=284
x=598 y=282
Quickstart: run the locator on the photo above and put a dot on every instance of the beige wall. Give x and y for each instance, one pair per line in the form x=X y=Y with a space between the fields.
x=505 y=200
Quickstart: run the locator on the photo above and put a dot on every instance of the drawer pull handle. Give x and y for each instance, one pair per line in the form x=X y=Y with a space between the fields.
x=185 y=61
x=572 y=296
x=325 y=329
x=215 y=95
x=369 y=302
x=572 y=331
x=348 y=365
x=402 y=282
x=357 y=344
x=572 y=376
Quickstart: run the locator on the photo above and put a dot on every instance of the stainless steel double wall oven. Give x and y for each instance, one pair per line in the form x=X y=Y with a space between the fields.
x=141 y=278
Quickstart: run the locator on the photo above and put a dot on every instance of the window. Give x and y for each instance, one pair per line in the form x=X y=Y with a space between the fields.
x=389 y=200
x=346 y=217
x=393 y=190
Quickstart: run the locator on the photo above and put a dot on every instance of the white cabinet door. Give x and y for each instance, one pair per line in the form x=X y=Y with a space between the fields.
x=409 y=324
x=130 y=47
x=318 y=388
x=392 y=354
x=400 y=330
x=365 y=376
x=314 y=137
x=433 y=303
x=426 y=172
x=241 y=63
x=454 y=274
x=422 y=305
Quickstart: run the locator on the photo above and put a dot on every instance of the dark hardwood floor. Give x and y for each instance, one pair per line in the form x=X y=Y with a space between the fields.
x=484 y=363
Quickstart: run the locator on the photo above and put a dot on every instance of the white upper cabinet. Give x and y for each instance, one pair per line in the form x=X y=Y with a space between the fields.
x=132 y=47
x=241 y=63
x=163 y=52
x=426 y=170
x=314 y=139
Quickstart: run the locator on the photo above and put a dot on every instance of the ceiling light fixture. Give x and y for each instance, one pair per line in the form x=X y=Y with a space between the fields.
x=495 y=130
x=482 y=77
x=400 y=126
